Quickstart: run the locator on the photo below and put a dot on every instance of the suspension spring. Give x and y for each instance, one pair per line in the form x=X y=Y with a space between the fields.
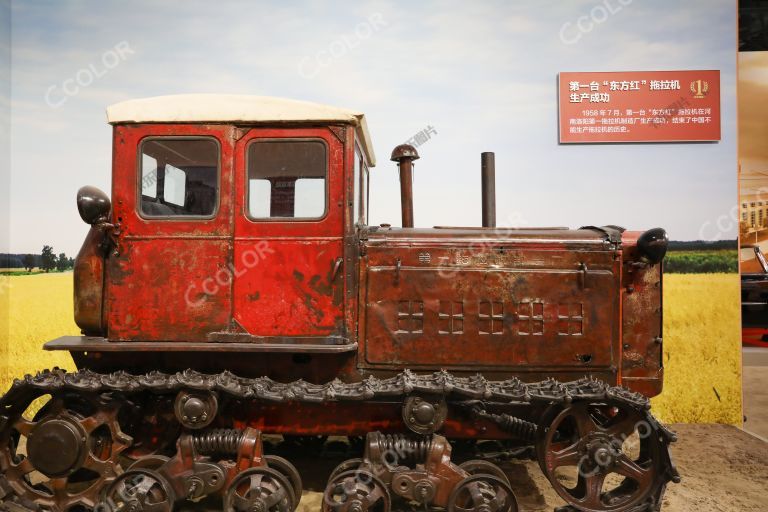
x=524 y=430
x=400 y=449
x=220 y=441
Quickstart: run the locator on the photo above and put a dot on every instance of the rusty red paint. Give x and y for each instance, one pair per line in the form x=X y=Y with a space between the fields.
x=532 y=303
x=289 y=289
x=155 y=282
x=642 y=338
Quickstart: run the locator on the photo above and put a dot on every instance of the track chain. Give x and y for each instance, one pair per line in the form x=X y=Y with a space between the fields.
x=444 y=384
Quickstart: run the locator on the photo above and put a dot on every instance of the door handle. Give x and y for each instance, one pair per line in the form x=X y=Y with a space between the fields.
x=337 y=268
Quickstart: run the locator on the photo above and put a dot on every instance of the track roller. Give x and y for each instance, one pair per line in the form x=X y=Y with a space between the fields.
x=139 y=490
x=356 y=491
x=482 y=493
x=260 y=490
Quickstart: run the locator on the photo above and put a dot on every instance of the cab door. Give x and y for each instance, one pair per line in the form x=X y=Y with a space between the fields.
x=169 y=274
x=288 y=244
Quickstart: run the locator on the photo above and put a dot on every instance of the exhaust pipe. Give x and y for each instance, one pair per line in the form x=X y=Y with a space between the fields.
x=404 y=155
x=488 y=178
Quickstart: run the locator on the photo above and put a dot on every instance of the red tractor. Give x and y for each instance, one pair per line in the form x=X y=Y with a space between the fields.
x=240 y=319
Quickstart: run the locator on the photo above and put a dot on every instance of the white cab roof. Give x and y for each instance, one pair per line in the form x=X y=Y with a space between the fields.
x=231 y=108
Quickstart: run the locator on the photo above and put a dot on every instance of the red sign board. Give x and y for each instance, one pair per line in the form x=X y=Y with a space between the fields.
x=639 y=106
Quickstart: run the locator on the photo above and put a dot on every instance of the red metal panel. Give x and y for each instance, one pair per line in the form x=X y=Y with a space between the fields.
x=168 y=280
x=293 y=290
x=509 y=308
x=641 y=358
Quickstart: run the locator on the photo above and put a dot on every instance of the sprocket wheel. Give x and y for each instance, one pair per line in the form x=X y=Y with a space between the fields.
x=605 y=456
x=66 y=454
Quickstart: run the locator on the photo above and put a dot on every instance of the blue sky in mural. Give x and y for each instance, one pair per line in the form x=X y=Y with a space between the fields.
x=480 y=76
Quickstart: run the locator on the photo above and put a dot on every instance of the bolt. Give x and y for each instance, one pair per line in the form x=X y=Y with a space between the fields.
x=185 y=418
x=204 y=417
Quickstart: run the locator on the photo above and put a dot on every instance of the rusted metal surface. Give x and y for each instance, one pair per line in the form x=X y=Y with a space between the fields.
x=89 y=282
x=277 y=344
x=642 y=338
x=536 y=302
x=488 y=188
x=518 y=302
x=404 y=155
x=156 y=279
x=299 y=408
x=322 y=326
x=292 y=289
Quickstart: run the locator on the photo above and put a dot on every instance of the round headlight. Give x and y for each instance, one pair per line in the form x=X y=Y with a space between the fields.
x=653 y=245
x=93 y=205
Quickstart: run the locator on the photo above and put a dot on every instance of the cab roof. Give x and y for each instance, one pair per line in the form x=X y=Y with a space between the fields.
x=236 y=108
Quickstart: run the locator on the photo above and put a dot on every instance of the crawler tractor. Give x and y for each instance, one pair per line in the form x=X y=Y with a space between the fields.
x=245 y=331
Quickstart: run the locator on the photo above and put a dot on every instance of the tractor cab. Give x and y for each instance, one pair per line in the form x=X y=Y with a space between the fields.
x=233 y=220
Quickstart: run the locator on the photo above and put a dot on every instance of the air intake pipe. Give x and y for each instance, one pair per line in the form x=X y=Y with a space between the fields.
x=404 y=155
x=488 y=185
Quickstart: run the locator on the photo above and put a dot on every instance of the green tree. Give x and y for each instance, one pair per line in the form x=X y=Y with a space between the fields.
x=62 y=263
x=48 y=262
x=29 y=262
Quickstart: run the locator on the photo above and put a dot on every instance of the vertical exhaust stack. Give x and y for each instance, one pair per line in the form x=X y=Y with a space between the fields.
x=488 y=178
x=404 y=155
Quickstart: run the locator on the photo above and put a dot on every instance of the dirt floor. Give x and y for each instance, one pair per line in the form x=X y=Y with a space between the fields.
x=724 y=469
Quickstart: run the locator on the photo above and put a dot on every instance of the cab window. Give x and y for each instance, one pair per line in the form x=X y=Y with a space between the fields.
x=360 y=189
x=287 y=179
x=179 y=177
x=358 y=215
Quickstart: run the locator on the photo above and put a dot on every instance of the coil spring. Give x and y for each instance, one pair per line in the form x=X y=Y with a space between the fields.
x=521 y=429
x=399 y=449
x=220 y=441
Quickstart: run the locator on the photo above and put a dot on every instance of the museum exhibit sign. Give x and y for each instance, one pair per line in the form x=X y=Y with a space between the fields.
x=639 y=106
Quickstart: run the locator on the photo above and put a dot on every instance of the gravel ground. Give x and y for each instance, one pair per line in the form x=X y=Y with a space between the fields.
x=724 y=469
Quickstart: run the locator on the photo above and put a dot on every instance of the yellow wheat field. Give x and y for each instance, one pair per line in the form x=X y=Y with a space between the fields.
x=702 y=349
x=701 y=340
